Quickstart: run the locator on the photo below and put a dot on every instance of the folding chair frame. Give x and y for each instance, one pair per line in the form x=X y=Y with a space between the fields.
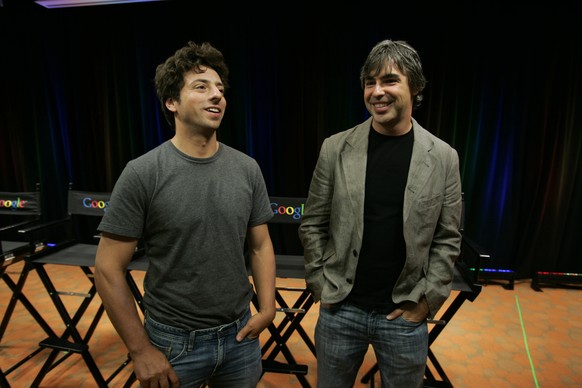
x=72 y=252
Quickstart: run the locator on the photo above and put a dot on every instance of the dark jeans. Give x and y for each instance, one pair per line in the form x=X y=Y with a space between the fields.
x=343 y=335
x=210 y=356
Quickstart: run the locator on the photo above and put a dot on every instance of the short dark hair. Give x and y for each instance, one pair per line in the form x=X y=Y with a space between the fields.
x=400 y=54
x=169 y=78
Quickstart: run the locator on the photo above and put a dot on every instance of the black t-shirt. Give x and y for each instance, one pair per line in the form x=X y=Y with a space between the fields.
x=383 y=251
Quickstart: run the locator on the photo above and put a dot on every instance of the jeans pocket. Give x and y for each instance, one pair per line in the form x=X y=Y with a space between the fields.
x=172 y=346
x=410 y=323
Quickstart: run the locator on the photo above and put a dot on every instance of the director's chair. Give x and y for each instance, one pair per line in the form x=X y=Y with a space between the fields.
x=288 y=212
x=76 y=246
x=18 y=212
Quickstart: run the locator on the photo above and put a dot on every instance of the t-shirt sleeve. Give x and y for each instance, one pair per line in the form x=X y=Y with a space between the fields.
x=262 y=211
x=126 y=212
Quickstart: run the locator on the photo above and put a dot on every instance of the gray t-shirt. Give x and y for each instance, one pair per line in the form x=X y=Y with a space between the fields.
x=193 y=215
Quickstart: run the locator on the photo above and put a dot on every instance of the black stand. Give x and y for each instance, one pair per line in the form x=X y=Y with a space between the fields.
x=556 y=279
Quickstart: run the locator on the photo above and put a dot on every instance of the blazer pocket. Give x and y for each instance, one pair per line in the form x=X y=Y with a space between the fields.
x=425 y=214
x=327 y=255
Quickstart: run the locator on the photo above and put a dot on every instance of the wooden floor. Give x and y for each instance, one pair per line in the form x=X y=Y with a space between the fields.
x=505 y=338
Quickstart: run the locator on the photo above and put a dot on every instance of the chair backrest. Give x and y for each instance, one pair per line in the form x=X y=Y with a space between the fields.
x=20 y=203
x=88 y=203
x=85 y=210
x=288 y=213
x=17 y=210
x=472 y=254
x=287 y=210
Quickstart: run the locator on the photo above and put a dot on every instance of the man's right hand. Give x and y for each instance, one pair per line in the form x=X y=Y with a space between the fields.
x=153 y=370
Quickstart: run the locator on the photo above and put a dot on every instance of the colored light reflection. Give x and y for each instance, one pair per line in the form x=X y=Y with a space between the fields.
x=85 y=3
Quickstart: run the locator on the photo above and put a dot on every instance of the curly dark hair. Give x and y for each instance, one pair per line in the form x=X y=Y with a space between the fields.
x=169 y=78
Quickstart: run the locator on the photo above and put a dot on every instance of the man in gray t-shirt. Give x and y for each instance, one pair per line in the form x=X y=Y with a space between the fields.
x=195 y=202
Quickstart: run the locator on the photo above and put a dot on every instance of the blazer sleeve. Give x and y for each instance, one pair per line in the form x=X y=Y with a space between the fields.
x=446 y=244
x=314 y=229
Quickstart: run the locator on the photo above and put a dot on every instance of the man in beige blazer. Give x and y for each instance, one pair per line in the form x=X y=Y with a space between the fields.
x=381 y=229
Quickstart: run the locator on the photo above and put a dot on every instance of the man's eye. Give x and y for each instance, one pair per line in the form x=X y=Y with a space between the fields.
x=390 y=81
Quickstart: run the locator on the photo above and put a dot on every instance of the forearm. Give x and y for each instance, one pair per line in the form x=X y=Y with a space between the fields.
x=121 y=308
x=263 y=270
x=113 y=256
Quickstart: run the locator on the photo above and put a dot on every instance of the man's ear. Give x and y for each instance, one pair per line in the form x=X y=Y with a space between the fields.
x=170 y=105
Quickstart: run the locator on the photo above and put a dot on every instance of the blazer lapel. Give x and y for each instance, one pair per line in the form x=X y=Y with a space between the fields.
x=353 y=166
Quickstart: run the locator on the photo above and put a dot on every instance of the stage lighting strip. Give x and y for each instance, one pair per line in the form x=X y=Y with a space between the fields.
x=533 y=371
x=493 y=270
x=496 y=270
x=559 y=273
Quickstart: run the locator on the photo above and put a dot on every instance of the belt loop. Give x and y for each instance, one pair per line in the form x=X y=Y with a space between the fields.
x=239 y=321
x=239 y=324
x=191 y=339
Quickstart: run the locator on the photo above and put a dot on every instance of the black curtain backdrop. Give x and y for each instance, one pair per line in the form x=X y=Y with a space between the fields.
x=504 y=88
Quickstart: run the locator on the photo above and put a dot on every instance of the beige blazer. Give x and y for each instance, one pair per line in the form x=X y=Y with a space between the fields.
x=332 y=225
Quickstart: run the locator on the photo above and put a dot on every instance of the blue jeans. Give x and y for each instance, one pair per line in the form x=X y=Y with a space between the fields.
x=343 y=334
x=209 y=356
